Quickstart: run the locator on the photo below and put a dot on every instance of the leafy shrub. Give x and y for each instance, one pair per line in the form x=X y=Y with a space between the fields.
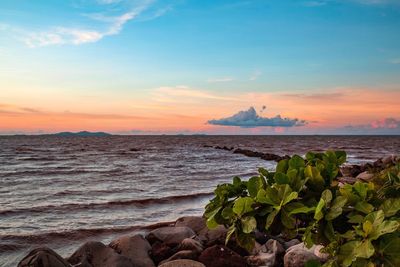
x=358 y=224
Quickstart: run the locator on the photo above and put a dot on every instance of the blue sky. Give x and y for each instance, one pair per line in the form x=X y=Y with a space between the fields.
x=125 y=49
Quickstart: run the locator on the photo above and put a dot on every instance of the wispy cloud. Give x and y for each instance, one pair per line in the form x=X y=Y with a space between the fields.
x=316 y=3
x=395 y=61
x=254 y=76
x=173 y=94
x=220 y=80
x=249 y=119
x=107 y=25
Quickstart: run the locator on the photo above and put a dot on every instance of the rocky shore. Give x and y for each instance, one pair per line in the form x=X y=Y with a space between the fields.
x=188 y=242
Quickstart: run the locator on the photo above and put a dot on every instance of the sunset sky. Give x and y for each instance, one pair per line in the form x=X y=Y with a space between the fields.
x=209 y=66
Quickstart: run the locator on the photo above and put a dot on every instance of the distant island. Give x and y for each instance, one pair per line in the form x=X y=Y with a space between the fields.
x=81 y=134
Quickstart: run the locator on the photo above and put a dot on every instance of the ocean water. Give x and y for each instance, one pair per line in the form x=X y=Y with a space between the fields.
x=62 y=191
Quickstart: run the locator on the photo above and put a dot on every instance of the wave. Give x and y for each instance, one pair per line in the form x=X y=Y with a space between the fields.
x=10 y=243
x=83 y=206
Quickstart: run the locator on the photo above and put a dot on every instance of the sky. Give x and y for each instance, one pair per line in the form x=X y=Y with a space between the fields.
x=200 y=67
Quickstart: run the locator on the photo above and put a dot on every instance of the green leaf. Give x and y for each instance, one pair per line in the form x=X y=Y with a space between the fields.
x=281 y=178
x=389 y=246
x=297 y=208
x=243 y=205
x=356 y=219
x=327 y=196
x=227 y=213
x=271 y=218
x=365 y=249
x=211 y=223
x=337 y=208
x=383 y=228
x=249 y=224
x=364 y=207
x=246 y=241
x=282 y=166
x=253 y=185
x=237 y=181
x=296 y=162
x=315 y=179
x=290 y=197
x=390 y=206
x=341 y=157
x=288 y=221
x=318 y=215
x=231 y=231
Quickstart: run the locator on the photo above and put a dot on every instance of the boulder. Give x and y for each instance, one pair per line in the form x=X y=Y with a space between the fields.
x=291 y=243
x=269 y=255
x=183 y=254
x=221 y=256
x=170 y=235
x=43 y=257
x=161 y=251
x=196 y=223
x=365 y=176
x=213 y=236
x=191 y=244
x=182 y=263
x=136 y=248
x=96 y=254
x=298 y=255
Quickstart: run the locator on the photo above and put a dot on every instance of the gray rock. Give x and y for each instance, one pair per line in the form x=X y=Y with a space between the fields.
x=365 y=176
x=191 y=244
x=170 y=235
x=291 y=243
x=136 y=248
x=221 y=256
x=183 y=254
x=182 y=263
x=298 y=255
x=269 y=255
x=195 y=223
x=213 y=236
x=43 y=257
x=96 y=254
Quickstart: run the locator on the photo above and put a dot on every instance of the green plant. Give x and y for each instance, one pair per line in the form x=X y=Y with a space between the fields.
x=358 y=224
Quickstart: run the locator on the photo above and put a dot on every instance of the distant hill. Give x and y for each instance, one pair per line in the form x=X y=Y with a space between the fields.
x=82 y=134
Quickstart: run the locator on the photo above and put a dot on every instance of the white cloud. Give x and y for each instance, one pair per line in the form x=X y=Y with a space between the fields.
x=254 y=76
x=108 y=25
x=219 y=80
x=395 y=61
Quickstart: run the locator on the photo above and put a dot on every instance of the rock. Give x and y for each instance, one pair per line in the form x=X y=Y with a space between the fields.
x=298 y=255
x=96 y=254
x=269 y=255
x=136 y=248
x=213 y=236
x=183 y=254
x=221 y=256
x=43 y=257
x=389 y=160
x=196 y=223
x=317 y=252
x=191 y=244
x=182 y=263
x=161 y=251
x=365 y=176
x=170 y=235
x=291 y=243
x=347 y=180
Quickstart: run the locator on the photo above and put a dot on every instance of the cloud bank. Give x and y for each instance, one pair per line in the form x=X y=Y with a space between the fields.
x=250 y=119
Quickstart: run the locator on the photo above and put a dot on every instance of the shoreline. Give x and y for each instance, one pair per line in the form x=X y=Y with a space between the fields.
x=205 y=238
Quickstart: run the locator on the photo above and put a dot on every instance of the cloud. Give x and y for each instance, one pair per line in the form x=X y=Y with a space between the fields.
x=395 y=61
x=382 y=126
x=102 y=24
x=254 y=76
x=315 y=3
x=249 y=119
x=220 y=80
x=172 y=94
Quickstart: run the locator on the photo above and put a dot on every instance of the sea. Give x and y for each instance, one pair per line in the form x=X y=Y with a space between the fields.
x=62 y=191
